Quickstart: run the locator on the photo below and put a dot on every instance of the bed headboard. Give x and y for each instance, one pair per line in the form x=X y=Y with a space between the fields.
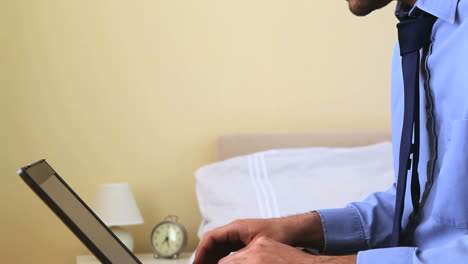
x=229 y=146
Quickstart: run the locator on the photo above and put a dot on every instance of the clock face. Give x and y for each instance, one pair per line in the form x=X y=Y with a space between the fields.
x=168 y=239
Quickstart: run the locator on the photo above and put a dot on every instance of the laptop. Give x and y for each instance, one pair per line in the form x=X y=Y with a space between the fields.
x=79 y=218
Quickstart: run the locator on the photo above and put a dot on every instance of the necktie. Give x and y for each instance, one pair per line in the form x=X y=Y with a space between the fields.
x=414 y=33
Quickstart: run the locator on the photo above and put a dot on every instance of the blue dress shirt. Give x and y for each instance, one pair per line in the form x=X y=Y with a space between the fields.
x=438 y=234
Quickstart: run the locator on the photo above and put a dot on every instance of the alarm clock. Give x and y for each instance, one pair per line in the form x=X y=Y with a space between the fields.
x=168 y=238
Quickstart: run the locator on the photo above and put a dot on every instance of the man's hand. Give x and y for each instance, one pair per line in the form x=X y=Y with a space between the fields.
x=299 y=230
x=267 y=251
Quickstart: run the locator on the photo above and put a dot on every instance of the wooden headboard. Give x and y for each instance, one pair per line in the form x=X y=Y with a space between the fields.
x=229 y=146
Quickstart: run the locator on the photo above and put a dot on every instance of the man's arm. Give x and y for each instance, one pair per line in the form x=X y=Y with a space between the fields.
x=267 y=251
x=298 y=230
x=359 y=226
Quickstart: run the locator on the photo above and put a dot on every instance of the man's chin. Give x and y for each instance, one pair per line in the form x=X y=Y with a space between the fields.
x=365 y=7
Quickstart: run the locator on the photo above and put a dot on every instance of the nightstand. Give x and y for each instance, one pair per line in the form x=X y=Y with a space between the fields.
x=147 y=258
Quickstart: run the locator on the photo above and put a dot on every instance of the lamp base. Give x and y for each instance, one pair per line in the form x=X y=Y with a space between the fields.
x=124 y=236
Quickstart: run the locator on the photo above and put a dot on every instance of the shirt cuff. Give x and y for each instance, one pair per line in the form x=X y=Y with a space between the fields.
x=398 y=255
x=343 y=231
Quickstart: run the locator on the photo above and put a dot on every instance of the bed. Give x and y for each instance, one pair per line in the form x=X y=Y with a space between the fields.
x=233 y=145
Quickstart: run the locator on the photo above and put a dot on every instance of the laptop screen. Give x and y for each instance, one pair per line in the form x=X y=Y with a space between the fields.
x=76 y=214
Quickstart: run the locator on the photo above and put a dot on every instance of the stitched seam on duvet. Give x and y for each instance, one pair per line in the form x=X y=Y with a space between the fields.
x=261 y=184
x=256 y=187
x=269 y=187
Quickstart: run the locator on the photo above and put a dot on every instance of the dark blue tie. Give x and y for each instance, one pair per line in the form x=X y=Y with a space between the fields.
x=414 y=33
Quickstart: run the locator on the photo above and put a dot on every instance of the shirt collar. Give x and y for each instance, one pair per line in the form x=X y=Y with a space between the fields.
x=443 y=9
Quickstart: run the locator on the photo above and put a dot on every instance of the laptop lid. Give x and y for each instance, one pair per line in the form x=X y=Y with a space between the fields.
x=81 y=220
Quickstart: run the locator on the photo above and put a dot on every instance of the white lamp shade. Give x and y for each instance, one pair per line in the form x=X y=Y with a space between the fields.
x=115 y=205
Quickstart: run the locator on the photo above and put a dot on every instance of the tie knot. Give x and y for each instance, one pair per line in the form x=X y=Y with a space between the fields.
x=415 y=33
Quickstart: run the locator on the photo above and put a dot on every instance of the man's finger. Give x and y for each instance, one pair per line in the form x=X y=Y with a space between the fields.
x=217 y=244
x=237 y=257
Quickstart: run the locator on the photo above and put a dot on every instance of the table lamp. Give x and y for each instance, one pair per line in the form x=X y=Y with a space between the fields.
x=115 y=205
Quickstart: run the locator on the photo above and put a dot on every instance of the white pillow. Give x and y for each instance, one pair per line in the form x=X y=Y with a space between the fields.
x=277 y=183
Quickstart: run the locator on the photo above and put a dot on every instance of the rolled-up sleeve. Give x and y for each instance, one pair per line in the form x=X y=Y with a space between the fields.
x=359 y=226
x=343 y=230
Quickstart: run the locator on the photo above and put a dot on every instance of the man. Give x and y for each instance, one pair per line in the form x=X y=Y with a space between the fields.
x=435 y=223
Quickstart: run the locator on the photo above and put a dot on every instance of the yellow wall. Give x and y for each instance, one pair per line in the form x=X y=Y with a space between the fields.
x=137 y=91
